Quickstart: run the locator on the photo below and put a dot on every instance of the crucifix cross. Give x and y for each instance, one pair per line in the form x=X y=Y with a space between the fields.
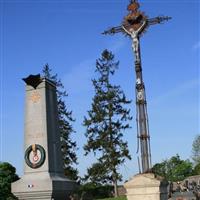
x=134 y=24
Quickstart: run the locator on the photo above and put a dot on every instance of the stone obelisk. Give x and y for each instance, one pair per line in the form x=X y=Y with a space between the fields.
x=43 y=177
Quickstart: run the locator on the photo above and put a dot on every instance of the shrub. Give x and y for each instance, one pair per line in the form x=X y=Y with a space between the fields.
x=90 y=191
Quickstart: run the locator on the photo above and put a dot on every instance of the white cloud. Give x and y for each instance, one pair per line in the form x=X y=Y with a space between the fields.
x=79 y=79
x=177 y=91
x=117 y=45
x=196 y=46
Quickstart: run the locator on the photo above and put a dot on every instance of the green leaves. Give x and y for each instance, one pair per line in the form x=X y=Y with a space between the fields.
x=65 y=118
x=98 y=173
x=196 y=170
x=196 y=155
x=7 y=176
x=106 y=122
x=196 y=150
x=174 y=169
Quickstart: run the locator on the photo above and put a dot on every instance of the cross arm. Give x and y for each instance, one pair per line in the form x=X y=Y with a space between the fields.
x=113 y=30
x=116 y=29
x=151 y=21
x=157 y=20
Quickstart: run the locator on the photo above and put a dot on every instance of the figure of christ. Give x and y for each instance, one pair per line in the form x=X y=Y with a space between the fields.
x=135 y=37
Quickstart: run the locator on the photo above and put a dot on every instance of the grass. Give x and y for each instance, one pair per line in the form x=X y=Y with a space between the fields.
x=118 y=198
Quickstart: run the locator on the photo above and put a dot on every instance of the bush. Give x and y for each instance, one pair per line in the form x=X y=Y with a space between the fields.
x=196 y=170
x=90 y=191
x=7 y=176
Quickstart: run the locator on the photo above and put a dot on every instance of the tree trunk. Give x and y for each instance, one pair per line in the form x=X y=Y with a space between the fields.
x=115 y=188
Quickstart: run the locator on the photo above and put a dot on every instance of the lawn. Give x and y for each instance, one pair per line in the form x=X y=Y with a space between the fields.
x=118 y=198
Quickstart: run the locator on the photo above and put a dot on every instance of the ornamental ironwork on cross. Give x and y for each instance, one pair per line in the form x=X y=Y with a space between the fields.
x=134 y=25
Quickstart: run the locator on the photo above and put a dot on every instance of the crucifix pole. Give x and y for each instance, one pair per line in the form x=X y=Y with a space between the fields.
x=134 y=25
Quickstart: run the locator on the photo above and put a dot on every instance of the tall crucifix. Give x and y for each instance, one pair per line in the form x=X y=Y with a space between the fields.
x=134 y=25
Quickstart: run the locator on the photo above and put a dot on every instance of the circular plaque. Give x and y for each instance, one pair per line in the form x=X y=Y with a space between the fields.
x=35 y=156
x=140 y=95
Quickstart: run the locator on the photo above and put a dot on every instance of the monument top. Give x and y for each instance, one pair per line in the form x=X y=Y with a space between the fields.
x=35 y=80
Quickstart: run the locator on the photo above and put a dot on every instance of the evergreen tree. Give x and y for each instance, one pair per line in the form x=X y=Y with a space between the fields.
x=196 y=150
x=106 y=123
x=65 y=118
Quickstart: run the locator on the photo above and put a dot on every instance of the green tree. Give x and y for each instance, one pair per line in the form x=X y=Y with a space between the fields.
x=174 y=169
x=196 y=150
x=196 y=170
x=106 y=122
x=7 y=176
x=68 y=146
x=98 y=174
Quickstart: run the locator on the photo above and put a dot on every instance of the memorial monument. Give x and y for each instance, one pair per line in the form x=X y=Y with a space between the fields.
x=145 y=185
x=43 y=177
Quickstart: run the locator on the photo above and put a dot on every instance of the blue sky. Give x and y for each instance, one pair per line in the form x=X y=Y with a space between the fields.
x=67 y=35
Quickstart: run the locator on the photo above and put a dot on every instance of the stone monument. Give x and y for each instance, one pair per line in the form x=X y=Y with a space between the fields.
x=43 y=177
x=145 y=185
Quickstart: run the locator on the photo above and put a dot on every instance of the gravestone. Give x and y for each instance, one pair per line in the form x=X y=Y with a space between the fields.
x=43 y=177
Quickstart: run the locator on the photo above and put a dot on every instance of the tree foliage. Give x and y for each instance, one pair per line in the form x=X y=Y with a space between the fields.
x=68 y=146
x=91 y=190
x=196 y=170
x=7 y=176
x=97 y=173
x=174 y=169
x=106 y=122
x=196 y=150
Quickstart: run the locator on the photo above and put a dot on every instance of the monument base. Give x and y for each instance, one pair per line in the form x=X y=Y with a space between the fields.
x=43 y=186
x=146 y=187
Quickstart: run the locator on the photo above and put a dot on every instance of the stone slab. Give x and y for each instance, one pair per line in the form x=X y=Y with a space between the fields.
x=146 y=187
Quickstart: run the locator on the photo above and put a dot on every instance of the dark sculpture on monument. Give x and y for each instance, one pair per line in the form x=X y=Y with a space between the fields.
x=145 y=185
x=43 y=177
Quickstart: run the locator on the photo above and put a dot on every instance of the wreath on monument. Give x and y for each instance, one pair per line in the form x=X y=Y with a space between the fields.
x=34 y=159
